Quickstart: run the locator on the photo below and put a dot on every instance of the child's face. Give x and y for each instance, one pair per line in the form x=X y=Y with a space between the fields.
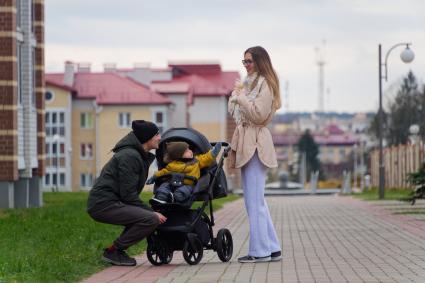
x=188 y=154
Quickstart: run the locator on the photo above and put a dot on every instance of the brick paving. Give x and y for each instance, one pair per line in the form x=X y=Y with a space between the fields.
x=324 y=239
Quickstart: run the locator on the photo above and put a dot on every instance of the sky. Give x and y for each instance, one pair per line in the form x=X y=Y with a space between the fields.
x=346 y=31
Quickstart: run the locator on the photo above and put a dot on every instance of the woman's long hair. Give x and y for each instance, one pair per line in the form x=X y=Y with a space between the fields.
x=264 y=68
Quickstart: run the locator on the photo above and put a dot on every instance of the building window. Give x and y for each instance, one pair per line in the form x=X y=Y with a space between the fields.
x=55 y=123
x=47 y=179
x=159 y=120
x=86 y=120
x=62 y=179
x=33 y=78
x=19 y=72
x=86 y=151
x=48 y=95
x=32 y=15
x=124 y=119
x=18 y=13
x=86 y=180
x=330 y=154
x=342 y=153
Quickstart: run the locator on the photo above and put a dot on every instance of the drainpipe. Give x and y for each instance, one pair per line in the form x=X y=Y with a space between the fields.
x=98 y=109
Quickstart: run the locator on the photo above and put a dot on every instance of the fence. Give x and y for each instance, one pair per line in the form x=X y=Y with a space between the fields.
x=399 y=161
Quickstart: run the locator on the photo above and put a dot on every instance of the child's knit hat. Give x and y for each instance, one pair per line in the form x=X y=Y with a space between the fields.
x=175 y=150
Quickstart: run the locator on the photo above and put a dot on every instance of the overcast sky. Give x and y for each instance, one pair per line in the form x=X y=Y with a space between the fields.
x=156 y=31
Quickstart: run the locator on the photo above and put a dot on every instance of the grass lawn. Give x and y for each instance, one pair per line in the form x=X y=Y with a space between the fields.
x=393 y=194
x=58 y=242
x=412 y=211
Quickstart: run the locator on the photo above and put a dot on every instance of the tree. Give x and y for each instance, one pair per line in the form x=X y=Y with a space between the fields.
x=407 y=108
x=307 y=144
x=404 y=111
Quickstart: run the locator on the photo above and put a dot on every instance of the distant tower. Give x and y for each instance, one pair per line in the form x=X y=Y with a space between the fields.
x=320 y=61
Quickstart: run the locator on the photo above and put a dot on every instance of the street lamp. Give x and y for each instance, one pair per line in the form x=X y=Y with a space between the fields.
x=406 y=56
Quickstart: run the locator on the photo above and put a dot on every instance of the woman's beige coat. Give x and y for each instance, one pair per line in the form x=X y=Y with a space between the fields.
x=253 y=135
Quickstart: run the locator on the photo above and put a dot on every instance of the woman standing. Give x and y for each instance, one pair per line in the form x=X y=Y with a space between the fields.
x=252 y=105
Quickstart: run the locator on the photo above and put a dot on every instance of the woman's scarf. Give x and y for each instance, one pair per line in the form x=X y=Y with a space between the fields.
x=251 y=94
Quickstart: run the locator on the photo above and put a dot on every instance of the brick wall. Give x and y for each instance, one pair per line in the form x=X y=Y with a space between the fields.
x=32 y=137
x=8 y=90
x=39 y=79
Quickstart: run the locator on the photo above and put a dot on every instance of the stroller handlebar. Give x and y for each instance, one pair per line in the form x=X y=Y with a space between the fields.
x=226 y=146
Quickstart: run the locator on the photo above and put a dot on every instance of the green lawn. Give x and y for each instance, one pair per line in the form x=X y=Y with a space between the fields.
x=58 y=242
x=392 y=194
x=412 y=211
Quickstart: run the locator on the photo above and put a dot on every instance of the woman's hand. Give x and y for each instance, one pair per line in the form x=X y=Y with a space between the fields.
x=239 y=88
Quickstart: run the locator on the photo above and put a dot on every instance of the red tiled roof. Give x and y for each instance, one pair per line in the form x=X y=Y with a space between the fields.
x=170 y=87
x=344 y=139
x=111 y=88
x=211 y=85
x=196 y=67
x=57 y=81
x=333 y=130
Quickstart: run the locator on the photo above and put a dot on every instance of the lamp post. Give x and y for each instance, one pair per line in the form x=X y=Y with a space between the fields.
x=406 y=56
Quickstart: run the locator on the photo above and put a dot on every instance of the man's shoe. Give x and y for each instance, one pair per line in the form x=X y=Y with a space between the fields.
x=118 y=257
x=276 y=256
x=251 y=259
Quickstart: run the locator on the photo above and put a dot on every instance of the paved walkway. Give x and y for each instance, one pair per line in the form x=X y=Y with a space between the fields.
x=324 y=239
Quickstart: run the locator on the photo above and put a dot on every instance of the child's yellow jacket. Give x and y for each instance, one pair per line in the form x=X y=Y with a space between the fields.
x=190 y=168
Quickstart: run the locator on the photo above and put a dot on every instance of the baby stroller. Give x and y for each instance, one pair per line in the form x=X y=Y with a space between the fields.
x=186 y=229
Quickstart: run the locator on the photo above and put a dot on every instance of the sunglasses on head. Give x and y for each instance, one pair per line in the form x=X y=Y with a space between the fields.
x=247 y=62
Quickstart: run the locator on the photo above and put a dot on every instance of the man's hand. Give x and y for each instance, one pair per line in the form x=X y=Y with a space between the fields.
x=161 y=217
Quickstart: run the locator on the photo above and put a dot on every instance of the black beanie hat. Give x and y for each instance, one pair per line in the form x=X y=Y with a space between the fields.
x=175 y=150
x=144 y=130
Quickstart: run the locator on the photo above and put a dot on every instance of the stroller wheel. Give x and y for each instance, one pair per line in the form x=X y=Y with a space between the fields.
x=158 y=253
x=193 y=251
x=153 y=256
x=168 y=258
x=224 y=245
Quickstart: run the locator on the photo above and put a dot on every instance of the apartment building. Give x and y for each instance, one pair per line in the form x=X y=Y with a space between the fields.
x=22 y=160
x=88 y=112
x=336 y=149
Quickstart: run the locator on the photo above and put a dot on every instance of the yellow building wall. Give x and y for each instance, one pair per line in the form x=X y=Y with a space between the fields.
x=60 y=98
x=282 y=128
x=79 y=136
x=109 y=132
x=212 y=131
x=333 y=153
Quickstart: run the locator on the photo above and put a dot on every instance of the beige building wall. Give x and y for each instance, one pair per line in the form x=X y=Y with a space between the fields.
x=209 y=116
x=83 y=135
x=212 y=131
x=109 y=131
x=335 y=154
x=61 y=98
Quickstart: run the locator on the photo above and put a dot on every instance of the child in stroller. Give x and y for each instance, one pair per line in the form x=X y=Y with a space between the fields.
x=181 y=160
x=189 y=229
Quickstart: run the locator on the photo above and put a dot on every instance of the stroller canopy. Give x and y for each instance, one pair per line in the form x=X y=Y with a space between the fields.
x=198 y=143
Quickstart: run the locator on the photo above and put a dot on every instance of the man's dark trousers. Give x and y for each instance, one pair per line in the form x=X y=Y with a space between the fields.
x=139 y=222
